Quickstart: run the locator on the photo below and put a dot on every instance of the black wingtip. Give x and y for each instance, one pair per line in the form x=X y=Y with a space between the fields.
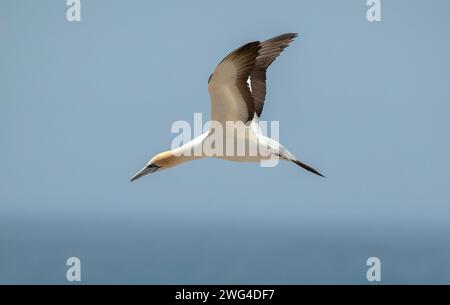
x=308 y=168
x=289 y=35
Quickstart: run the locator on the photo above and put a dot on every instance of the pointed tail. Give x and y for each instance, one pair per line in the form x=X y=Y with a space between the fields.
x=308 y=168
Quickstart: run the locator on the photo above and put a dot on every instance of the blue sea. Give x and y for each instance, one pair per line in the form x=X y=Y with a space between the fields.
x=132 y=251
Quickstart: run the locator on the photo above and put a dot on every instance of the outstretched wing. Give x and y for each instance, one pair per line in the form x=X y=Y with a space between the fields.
x=231 y=98
x=270 y=49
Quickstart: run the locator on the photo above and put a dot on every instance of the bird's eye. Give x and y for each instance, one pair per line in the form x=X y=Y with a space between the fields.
x=153 y=167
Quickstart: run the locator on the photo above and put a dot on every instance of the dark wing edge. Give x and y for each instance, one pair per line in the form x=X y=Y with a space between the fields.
x=269 y=51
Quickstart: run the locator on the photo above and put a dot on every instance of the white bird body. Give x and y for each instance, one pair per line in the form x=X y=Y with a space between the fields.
x=248 y=136
x=237 y=89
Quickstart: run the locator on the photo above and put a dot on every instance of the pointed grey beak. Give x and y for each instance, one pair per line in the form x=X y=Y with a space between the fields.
x=146 y=170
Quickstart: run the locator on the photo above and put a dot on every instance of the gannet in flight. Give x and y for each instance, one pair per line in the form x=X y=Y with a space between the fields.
x=237 y=90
